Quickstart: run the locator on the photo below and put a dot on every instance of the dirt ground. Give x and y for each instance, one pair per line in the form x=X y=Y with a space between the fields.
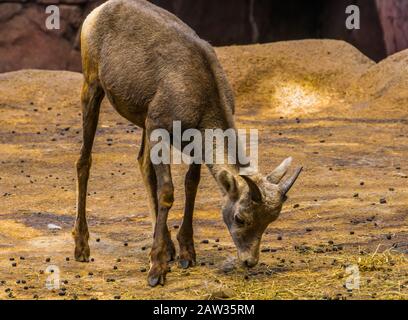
x=340 y=115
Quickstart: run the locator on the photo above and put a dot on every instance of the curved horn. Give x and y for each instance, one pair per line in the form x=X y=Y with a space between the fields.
x=288 y=183
x=280 y=171
x=254 y=191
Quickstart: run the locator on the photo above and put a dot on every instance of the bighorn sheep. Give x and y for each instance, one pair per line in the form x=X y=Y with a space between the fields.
x=155 y=70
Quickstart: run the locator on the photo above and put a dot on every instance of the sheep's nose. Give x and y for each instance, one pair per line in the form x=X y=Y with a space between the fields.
x=250 y=263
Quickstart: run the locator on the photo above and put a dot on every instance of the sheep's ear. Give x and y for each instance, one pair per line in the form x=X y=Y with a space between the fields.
x=229 y=184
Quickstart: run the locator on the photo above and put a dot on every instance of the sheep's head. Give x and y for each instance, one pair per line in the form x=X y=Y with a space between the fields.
x=251 y=205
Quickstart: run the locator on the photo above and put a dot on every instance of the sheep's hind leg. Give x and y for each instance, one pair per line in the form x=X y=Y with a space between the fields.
x=92 y=95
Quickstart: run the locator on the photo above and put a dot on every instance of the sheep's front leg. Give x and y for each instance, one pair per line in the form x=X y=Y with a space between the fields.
x=150 y=181
x=159 y=252
x=185 y=235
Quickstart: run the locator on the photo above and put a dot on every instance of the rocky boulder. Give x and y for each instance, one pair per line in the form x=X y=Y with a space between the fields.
x=308 y=78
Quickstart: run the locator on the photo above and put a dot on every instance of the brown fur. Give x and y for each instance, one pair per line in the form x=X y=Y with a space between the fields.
x=155 y=70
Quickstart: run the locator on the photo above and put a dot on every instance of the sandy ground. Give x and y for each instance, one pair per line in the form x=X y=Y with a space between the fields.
x=337 y=113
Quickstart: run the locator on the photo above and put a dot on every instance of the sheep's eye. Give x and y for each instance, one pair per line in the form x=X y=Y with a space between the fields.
x=239 y=221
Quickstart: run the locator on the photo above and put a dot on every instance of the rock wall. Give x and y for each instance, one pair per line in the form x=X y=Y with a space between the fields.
x=394 y=20
x=262 y=21
x=26 y=43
